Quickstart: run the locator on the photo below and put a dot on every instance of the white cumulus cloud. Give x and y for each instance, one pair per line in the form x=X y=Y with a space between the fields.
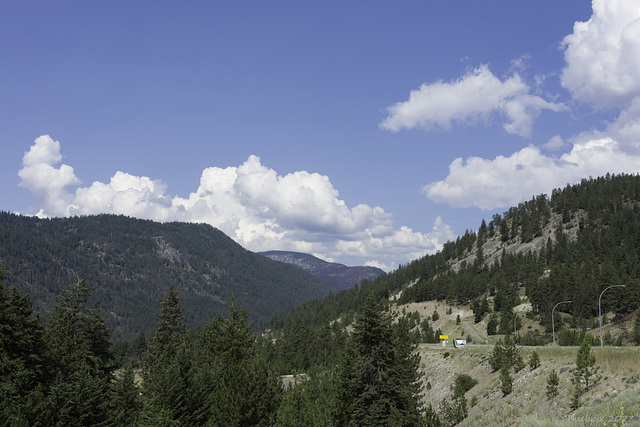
x=506 y=181
x=603 y=55
x=40 y=175
x=251 y=203
x=603 y=69
x=474 y=97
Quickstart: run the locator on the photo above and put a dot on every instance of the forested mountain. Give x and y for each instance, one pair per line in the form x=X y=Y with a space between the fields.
x=129 y=264
x=338 y=276
x=570 y=246
x=355 y=351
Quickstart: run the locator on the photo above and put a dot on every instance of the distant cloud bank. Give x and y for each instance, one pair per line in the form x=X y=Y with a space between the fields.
x=602 y=70
x=251 y=203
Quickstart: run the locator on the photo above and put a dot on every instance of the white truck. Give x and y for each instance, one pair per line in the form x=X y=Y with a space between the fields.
x=459 y=343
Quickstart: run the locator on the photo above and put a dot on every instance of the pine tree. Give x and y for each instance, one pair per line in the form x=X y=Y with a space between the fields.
x=78 y=337
x=518 y=365
x=505 y=354
x=125 y=403
x=171 y=390
x=80 y=359
x=309 y=402
x=506 y=382
x=576 y=393
x=585 y=364
x=378 y=374
x=552 y=384
x=22 y=359
x=170 y=331
x=534 y=360
x=454 y=411
x=246 y=389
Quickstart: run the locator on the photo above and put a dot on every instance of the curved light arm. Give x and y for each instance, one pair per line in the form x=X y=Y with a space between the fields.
x=553 y=325
x=600 y=309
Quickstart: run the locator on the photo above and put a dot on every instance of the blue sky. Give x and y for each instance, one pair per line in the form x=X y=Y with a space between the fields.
x=359 y=131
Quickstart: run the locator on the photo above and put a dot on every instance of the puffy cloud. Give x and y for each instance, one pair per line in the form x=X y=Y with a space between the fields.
x=602 y=62
x=41 y=175
x=505 y=181
x=135 y=196
x=603 y=69
x=251 y=203
x=474 y=97
x=404 y=240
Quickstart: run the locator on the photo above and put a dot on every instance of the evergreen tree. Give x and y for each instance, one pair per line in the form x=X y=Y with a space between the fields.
x=172 y=392
x=585 y=364
x=505 y=354
x=506 y=381
x=462 y=384
x=454 y=411
x=534 y=360
x=170 y=331
x=310 y=402
x=378 y=375
x=125 y=403
x=431 y=417
x=80 y=360
x=246 y=390
x=518 y=365
x=492 y=326
x=22 y=359
x=552 y=384
x=78 y=337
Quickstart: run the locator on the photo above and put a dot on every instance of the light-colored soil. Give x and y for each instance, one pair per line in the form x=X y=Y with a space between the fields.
x=528 y=403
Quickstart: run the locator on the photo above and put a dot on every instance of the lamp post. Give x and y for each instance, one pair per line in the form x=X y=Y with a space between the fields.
x=487 y=340
x=515 y=326
x=600 y=311
x=553 y=324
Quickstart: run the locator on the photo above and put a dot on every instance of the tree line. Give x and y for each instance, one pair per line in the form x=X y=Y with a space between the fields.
x=64 y=371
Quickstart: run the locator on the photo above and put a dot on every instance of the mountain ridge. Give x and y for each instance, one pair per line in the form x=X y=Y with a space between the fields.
x=338 y=276
x=131 y=263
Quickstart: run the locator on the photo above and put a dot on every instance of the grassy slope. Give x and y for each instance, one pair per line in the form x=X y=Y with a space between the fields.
x=527 y=404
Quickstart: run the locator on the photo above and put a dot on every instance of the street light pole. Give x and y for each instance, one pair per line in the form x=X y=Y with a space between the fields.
x=553 y=324
x=488 y=331
x=515 y=326
x=600 y=311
